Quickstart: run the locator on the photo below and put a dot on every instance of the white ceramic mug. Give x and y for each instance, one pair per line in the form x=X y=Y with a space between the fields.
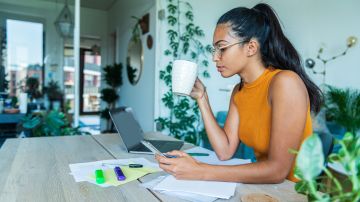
x=183 y=77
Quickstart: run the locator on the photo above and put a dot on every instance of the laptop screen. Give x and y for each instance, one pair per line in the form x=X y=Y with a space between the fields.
x=128 y=128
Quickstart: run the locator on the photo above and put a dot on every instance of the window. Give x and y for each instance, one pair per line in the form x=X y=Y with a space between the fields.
x=24 y=54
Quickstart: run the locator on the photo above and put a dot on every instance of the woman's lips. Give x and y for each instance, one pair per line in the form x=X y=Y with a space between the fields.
x=220 y=68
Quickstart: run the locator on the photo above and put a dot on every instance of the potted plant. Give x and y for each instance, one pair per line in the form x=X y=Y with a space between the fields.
x=310 y=164
x=113 y=79
x=343 y=108
x=32 y=88
x=48 y=123
x=54 y=94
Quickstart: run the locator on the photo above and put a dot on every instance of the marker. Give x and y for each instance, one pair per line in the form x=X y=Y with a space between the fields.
x=99 y=176
x=198 y=154
x=119 y=174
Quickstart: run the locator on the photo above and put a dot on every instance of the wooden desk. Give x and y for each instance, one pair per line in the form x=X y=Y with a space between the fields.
x=37 y=169
x=284 y=191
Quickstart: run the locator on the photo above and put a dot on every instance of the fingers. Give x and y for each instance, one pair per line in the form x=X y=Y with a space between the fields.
x=164 y=160
x=177 y=153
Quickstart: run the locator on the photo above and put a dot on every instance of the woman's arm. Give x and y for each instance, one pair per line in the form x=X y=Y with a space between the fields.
x=289 y=103
x=224 y=140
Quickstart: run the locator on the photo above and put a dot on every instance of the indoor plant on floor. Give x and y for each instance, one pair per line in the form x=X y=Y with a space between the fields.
x=343 y=108
x=113 y=79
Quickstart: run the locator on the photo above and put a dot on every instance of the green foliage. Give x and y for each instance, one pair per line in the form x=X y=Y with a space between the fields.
x=109 y=95
x=53 y=91
x=32 y=87
x=131 y=73
x=310 y=167
x=310 y=163
x=184 y=41
x=113 y=78
x=53 y=123
x=343 y=107
x=113 y=75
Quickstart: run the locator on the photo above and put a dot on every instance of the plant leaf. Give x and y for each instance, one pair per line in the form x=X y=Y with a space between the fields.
x=310 y=160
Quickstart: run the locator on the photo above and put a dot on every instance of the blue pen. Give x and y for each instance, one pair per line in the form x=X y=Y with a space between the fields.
x=119 y=174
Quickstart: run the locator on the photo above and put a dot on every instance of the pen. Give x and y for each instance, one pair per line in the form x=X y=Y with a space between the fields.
x=198 y=154
x=99 y=176
x=119 y=174
x=131 y=165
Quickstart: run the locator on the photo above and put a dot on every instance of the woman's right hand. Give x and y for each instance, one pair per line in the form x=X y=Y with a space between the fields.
x=198 y=90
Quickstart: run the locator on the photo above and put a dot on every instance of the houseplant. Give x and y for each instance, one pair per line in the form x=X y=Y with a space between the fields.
x=48 y=123
x=32 y=88
x=343 y=108
x=113 y=79
x=184 y=36
x=310 y=164
x=54 y=93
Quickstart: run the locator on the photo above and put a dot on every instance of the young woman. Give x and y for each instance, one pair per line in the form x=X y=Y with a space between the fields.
x=269 y=109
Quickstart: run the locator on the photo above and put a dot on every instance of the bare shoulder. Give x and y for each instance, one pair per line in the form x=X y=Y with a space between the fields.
x=289 y=83
x=287 y=78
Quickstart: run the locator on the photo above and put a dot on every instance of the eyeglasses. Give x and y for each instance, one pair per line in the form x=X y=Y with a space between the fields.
x=219 y=51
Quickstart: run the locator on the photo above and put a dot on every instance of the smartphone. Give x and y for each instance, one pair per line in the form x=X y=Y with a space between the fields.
x=154 y=150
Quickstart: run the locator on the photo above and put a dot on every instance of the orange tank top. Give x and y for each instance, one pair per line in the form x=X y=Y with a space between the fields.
x=255 y=116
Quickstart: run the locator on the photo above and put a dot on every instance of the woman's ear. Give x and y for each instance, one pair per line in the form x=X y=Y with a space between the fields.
x=253 y=47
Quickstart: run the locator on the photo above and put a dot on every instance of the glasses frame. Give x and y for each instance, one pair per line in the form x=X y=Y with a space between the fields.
x=219 y=51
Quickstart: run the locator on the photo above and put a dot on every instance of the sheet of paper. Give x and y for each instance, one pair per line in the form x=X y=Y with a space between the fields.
x=130 y=174
x=223 y=190
x=213 y=159
x=183 y=195
x=85 y=171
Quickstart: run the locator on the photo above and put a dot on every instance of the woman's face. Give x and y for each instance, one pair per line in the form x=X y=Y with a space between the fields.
x=229 y=52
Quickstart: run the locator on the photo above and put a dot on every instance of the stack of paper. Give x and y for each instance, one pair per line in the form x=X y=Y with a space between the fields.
x=223 y=190
x=85 y=171
x=200 y=190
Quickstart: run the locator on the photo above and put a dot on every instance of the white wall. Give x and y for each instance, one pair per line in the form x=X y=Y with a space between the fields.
x=140 y=97
x=307 y=24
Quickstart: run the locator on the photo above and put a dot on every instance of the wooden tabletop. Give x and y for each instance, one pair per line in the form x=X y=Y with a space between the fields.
x=37 y=169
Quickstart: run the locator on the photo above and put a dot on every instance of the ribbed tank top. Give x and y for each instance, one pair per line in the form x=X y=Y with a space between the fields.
x=255 y=116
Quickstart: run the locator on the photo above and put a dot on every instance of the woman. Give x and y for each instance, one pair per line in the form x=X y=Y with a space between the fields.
x=269 y=110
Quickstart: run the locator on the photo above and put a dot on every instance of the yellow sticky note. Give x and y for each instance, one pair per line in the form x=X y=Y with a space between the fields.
x=130 y=174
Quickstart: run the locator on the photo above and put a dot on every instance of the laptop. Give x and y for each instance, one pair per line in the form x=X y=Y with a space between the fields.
x=131 y=133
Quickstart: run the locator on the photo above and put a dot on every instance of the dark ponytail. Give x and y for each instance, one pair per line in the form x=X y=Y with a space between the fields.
x=261 y=23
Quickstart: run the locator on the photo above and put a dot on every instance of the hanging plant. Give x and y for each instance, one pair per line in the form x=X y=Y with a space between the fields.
x=184 y=120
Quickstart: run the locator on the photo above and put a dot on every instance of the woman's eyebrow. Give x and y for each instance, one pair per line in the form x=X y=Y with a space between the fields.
x=217 y=43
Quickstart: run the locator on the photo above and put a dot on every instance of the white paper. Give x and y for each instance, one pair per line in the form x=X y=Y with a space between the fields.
x=82 y=171
x=183 y=195
x=223 y=190
x=213 y=159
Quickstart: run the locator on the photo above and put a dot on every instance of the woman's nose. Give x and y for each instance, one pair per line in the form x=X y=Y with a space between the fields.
x=215 y=58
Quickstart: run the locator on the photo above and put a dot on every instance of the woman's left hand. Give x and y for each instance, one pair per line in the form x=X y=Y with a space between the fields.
x=182 y=167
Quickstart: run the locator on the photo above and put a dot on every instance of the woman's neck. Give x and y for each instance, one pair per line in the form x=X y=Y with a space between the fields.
x=252 y=72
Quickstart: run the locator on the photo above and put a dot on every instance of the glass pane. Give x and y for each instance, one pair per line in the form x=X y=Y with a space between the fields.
x=24 y=54
x=69 y=78
x=92 y=76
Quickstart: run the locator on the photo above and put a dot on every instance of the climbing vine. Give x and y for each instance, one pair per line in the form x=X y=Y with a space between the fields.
x=183 y=121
